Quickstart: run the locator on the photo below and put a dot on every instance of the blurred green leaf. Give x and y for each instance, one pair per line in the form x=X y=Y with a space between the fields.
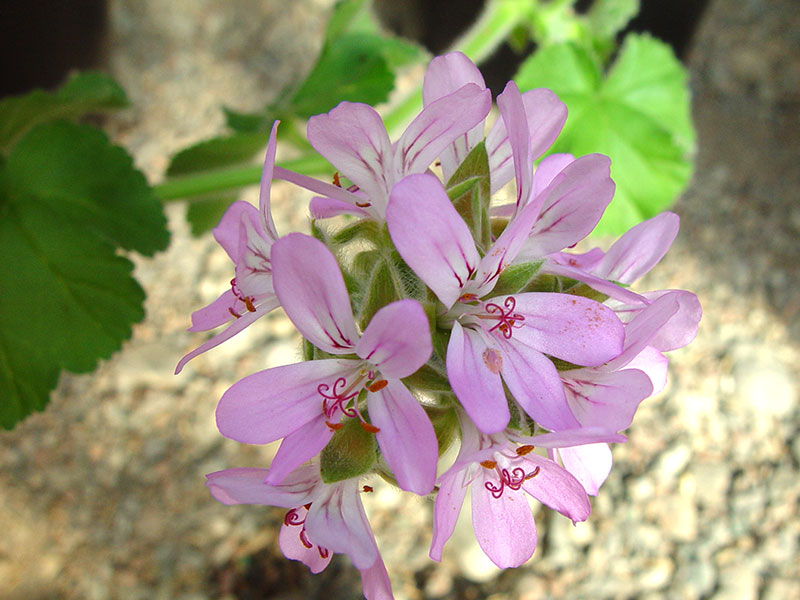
x=68 y=200
x=82 y=93
x=638 y=114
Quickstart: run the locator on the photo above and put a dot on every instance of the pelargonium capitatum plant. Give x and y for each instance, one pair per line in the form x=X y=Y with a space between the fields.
x=435 y=317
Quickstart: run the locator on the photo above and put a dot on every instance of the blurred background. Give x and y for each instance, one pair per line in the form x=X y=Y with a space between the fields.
x=103 y=496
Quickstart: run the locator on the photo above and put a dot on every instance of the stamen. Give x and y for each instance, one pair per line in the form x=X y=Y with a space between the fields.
x=294 y=519
x=512 y=480
x=523 y=450
x=369 y=428
x=248 y=302
x=234 y=313
x=488 y=464
x=363 y=204
x=336 y=181
x=506 y=319
x=334 y=426
x=377 y=385
x=367 y=488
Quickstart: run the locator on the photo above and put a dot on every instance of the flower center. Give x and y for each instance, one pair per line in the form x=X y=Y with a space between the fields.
x=512 y=479
x=246 y=300
x=505 y=316
x=294 y=519
x=343 y=397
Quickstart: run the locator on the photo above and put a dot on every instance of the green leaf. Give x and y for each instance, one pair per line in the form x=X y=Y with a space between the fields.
x=638 y=115
x=470 y=191
x=68 y=200
x=606 y=18
x=82 y=93
x=351 y=452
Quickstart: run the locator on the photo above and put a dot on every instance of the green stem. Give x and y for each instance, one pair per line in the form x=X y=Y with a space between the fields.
x=478 y=43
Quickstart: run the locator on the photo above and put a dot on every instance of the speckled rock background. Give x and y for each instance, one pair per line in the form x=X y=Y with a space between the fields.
x=102 y=495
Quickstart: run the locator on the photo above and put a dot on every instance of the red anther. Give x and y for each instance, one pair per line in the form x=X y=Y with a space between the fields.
x=533 y=473
x=234 y=313
x=369 y=428
x=468 y=298
x=363 y=204
x=367 y=488
x=488 y=464
x=377 y=385
x=523 y=450
x=336 y=181
x=334 y=426
x=248 y=302
x=507 y=319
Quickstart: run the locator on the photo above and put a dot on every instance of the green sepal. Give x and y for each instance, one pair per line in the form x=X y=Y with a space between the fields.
x=515 y=278
x=586 y=291
x=445 y=426
x=545 y=283
x=351 y=452
x=428 y=379
x=364 y=229
x=562 y=365
x=381 y=289
x=440 y=338
x=470 y=191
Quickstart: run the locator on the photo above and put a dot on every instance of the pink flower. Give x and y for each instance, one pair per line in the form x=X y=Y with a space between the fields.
x=247 y=235
x=304 y=402
x=322 y=519
x=498 y=470
x=353 y=138
x=504 y=338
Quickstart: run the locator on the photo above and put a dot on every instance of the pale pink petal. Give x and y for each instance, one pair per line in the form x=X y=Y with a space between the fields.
x=535 y=384
x=473 y=369
x=504 y=526
x=601 y=285
x=336 y=521
x=438 y=125
x=266 y=184
x=406 y=437
x=353 y=138
x=237 y=326
x=640 y=249
x=572 y=437
x=548 y=169
x=397 y=351
x=573 y=328
x=681 y=328
x=375 y=584
x=328 y=190
x=293 y=547
x=298 y=447
x=449 y=498
x=546 y=115
x=325 y=208
x=311 y=289
x=216 y=313
x=556 y=487
x=444 y=75
x=607 y=399
x=431 y=236
x=266 y=406
x=590 y=465
x=246 y=486
x=230 y=230
x=654 y=364
x=512 y=111
x=572 y=205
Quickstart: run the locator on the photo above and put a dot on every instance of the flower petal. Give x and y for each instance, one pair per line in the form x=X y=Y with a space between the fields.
x=536 y=386
x=325 y=208
x=375 y=584
x=601 y=285
x=573 y=328
x=298 y=447
x=504 y=526
x=639 y=249
x=268 y=405
x=444 y=75
x=246 y=486
x=337 y=521
x=572 y=205
x=406 y=437
x=266 y=184
x=230 y=230
x=438 y=125
x=572 y=437
x=557 y=488
x=237 y=326
x=546 y=115
x=654 y=364
x=601 y=398
x=328 y=190
x=353 y=138
x=311 y=289
x=293 y=548
x=590 y=465
x=431 y=236
x=397 y=351
x=474 y=374
x=512 y=111
x=452 y=489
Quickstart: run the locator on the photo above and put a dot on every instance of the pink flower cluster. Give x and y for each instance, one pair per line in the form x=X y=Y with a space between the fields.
x=434 y=316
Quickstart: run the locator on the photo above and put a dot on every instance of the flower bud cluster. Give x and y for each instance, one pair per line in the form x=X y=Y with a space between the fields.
x=433 y=316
